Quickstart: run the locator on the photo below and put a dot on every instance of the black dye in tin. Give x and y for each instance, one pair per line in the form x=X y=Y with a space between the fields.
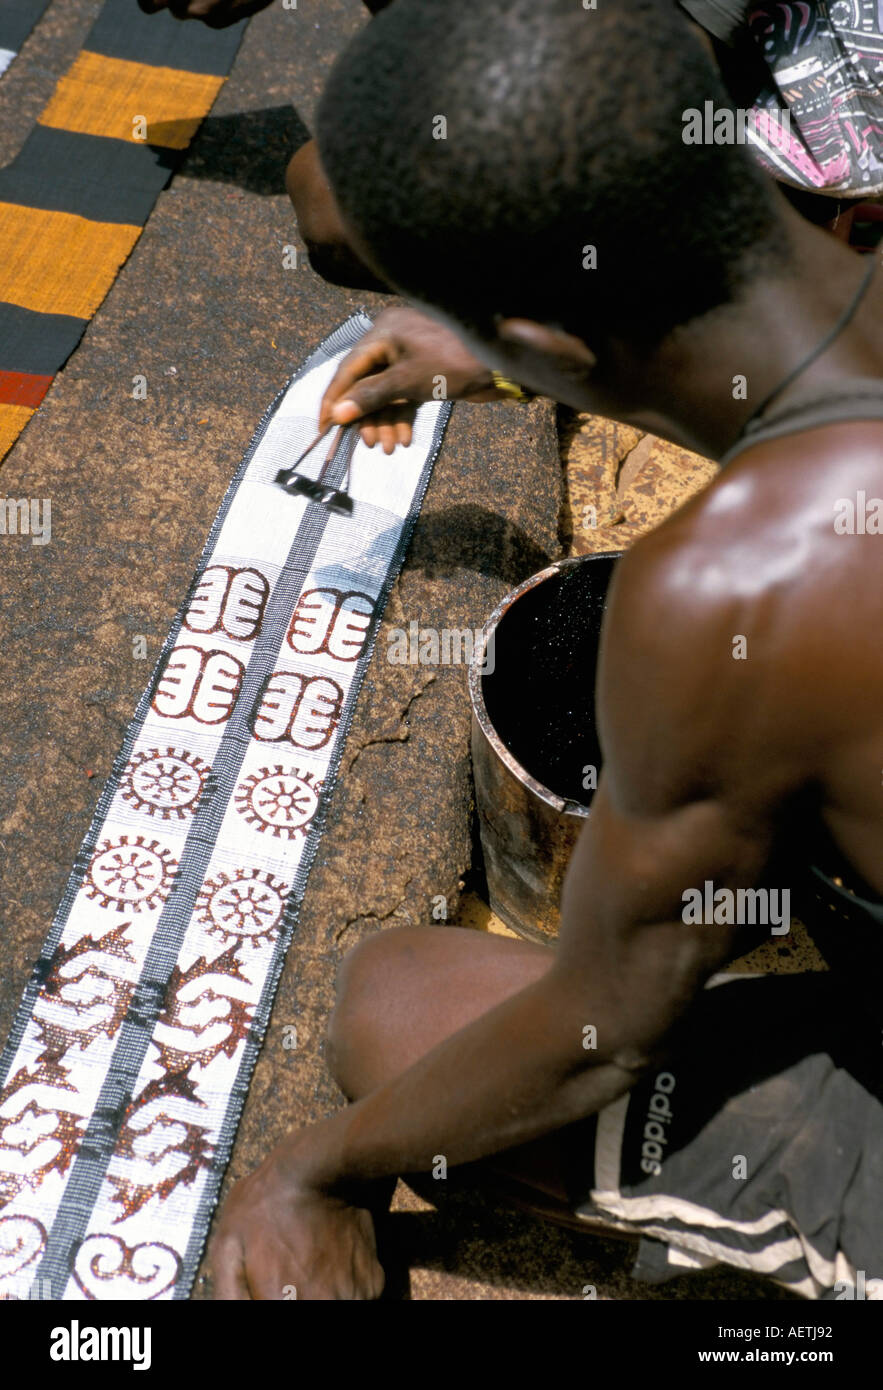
x=540 y=696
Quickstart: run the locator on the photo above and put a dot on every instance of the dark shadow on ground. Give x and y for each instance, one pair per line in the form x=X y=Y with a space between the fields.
x=469 y=537
x=461 y=538
x=477 y=1237
x=248 y=148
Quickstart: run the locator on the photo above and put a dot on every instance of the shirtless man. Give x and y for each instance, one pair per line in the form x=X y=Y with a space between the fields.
x=740 y=688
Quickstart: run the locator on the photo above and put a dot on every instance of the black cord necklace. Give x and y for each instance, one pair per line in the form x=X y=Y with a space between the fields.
x=844 y=319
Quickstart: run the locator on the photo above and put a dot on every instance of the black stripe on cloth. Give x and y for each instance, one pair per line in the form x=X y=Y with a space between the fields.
x=745 y=1242
x=124 y=31
x=725 y=1236
x=39 y=343
x=17 y=19
x=93 y=176
x=255 y=1037
x=653 y=1265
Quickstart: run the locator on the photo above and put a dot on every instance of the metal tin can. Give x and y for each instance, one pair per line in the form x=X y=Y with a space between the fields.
x=535 y=752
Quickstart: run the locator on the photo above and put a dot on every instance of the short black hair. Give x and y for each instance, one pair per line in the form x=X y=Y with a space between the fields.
x=564 y=130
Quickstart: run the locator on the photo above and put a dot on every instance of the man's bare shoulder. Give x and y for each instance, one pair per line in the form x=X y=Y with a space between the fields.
x=757 y=605
x=784 y=526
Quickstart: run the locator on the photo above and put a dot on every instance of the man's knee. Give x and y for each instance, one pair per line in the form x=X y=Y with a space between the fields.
x=357 y=1018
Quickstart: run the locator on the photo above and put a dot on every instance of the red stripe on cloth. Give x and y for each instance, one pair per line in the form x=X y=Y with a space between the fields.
x=23 y=388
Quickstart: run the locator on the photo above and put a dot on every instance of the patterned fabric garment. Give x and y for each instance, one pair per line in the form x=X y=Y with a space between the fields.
x=826 y=70
x=811 y=76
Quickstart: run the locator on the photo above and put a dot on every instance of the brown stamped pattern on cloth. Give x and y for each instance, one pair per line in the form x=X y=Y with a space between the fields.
x=203 y=1018
x=279 y=801
x=331 y=621
x=138 y=1032
x=246 y=906
x=131 y=874
x=166 y=783
x=299 y=709
x=175 y=1149
x=229 y=600
x=42 y=1150
x=189 y=1013
x=106 y=1267
x=86 y=993
x=22 y=1242
x=200 y=685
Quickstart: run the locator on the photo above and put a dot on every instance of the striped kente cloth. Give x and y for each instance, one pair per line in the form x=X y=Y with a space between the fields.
x=74 y=200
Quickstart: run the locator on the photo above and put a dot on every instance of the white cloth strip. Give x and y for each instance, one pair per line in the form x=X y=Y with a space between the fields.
x=125 y=1074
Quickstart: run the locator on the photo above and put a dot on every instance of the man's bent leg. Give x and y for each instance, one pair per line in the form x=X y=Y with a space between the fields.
x=752 y=1121
x=405 y=990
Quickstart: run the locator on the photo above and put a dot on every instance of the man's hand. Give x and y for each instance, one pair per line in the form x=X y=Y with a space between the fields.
x=279 y=1238
x=405 y=357
x=217 y=14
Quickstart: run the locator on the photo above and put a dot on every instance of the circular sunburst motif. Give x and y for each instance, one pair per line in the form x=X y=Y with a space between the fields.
x=165 y=784
x=130 y=875
x=844 y=14
x=279 y=800
x=244 y=906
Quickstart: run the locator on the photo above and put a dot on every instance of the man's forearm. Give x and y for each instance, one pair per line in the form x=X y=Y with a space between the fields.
x=518 y=1072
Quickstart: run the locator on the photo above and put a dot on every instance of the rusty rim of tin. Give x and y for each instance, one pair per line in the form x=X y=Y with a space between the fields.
x=476 y=696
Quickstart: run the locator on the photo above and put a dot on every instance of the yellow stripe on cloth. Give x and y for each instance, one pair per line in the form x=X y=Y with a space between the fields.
x=106 y=96
x=13 y=419
x=58 y=263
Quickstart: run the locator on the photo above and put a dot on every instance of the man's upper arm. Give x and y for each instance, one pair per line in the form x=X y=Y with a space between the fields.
x=690 y=792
